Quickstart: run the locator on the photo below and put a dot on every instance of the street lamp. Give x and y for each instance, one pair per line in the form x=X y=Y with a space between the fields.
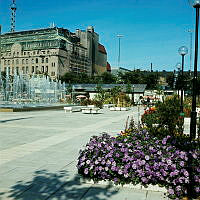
x=193 y=122
x=119 y=36
x=190 y=31
x=178 y=66
x=183 y=50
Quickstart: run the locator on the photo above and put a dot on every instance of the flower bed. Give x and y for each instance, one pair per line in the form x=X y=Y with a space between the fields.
x=139 y=158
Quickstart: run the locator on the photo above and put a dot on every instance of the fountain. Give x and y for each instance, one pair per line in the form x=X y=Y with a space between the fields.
x=21 y=92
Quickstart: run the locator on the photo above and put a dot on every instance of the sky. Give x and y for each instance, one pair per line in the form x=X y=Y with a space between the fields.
x=152 y=30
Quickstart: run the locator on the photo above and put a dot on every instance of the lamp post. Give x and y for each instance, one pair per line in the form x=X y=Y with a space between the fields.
x=119 y=36
x=178 y=66
x=190 y=31
x=193 y=122
x=182 y=51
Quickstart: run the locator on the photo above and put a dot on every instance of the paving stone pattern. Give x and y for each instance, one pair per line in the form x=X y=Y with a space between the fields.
x=39 y=150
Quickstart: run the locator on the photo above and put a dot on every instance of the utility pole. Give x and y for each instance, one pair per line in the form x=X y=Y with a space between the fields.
x=190 y=31
x=0 y=48
x=119 y=36
x=13 y=14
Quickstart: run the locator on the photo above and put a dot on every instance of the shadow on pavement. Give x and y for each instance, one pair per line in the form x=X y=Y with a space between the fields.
x=16 y=119
x=60 y=186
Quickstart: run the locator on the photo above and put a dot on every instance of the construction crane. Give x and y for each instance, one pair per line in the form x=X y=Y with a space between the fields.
x=13 y=14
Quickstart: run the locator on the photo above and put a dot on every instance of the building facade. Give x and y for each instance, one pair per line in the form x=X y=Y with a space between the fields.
x=51 y=51
x=89 y=39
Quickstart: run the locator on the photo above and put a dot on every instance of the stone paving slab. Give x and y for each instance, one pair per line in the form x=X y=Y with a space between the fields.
x=39 y=154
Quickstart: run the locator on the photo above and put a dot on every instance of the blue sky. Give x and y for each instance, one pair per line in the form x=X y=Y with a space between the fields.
x=153 y=29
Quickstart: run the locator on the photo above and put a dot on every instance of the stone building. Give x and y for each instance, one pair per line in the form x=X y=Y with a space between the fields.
x=96 y=51
x=53 y=51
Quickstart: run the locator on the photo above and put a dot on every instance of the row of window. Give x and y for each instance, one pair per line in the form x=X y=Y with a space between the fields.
x=25 y=70
x=26 y=61
x=27 y=53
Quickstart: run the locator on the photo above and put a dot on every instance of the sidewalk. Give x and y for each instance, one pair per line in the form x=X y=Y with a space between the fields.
x=39 y=150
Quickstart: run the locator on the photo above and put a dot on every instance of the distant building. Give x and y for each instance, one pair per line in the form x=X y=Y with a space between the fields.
x=90 y=90
x=116 y=70
x=108 y=67
x=89 y=39
x=53 y=51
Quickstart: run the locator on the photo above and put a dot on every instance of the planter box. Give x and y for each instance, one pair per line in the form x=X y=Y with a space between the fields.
x=154 y=188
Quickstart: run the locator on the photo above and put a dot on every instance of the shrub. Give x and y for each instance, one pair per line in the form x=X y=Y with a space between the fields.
x=137 y=157
x=166 y=119
x=97 y=103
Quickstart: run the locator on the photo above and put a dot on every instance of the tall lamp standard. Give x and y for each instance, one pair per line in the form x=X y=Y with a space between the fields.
x=193 y=122
x=178 y=66
x=190 y=31
x=119 y=36
x=182 y=51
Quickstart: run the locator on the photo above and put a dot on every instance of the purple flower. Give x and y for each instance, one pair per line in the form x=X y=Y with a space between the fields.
x=134 y=166
x=186 y=173
x=117 y=155
x=178 y=188
x=126 y=175
x=88 y=162
x=120 y=171
x=144 y=180
x=86 y=171
x=164 y=141
x=197 y=189
x=147 y=157
x=182 y=163
x=171 y=191
x=113 y=168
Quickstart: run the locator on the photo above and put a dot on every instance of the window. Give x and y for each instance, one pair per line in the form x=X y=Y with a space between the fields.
x=42 y=69
x=32 y=61
x=47 y=69
x=8 y=62
x=26 y=61
x=23 y=61
x=24 y=53
x=23 y=70
x=5 y=62
x=27 y=71
x=36 y=69
x=13 y=62
x=36 y=60
x=42 y=60
x=33 y=52
x=52 y=73
x=17 y=53
x=47 y=60
x=32 y=69
x=12 y=70
x=17 y=61
x=17 y=69
x=8 y=70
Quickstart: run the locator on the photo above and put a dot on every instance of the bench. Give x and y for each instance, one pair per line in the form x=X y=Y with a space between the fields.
x=108 y=105
x=119 y=108
x=73 y=109
x=90 y=110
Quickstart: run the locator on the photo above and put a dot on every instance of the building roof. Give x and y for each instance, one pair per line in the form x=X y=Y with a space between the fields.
x=102 y=49
x=138 y=88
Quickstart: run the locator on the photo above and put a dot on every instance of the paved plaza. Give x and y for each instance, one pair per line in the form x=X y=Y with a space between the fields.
x=39 y=150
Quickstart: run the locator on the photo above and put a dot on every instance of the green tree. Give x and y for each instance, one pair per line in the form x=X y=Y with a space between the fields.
x=108 y=78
